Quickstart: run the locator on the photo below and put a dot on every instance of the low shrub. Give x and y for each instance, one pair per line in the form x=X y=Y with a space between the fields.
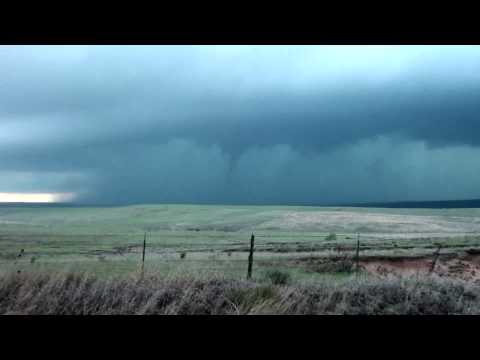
x=340 y=265
x=331 y=237
x=277 y=277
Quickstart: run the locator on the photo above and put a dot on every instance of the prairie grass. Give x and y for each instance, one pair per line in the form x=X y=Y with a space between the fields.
x=67 y=293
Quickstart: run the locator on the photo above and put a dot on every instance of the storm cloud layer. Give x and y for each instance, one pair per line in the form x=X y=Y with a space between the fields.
x=241 y=124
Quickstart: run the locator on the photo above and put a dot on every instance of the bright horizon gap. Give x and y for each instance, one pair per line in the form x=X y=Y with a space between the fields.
x=8 y=197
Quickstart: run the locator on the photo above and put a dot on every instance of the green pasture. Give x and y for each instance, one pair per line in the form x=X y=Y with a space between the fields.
x=215 y=238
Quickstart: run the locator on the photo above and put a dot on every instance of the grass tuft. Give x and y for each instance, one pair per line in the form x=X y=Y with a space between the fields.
x=277 y=277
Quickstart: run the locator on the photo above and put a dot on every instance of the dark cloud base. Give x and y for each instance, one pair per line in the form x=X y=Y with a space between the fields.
x=255 y=125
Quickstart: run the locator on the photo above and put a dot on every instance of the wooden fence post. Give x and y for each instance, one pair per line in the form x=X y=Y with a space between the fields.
x=143 y=252
x=434 y=262
x=250 y=258
x=358 y=254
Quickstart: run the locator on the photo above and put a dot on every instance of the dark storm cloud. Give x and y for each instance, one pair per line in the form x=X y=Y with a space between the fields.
x=241 y=124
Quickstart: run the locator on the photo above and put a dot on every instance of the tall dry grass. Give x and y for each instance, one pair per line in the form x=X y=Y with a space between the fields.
x=83 y=294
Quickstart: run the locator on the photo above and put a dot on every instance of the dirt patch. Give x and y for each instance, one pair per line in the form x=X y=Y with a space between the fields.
x=397 y=266
x=463 y=266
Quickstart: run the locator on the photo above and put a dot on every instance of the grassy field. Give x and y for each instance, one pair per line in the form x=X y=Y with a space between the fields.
x=60 y=293
x=107 y=240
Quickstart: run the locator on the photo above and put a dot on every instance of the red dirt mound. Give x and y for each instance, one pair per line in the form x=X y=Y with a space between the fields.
x=466 y=267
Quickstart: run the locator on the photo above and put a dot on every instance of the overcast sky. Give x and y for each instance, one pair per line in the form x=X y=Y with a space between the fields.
x=241 y=124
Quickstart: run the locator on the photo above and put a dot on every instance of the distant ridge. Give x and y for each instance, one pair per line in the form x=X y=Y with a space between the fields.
x=439 y=204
